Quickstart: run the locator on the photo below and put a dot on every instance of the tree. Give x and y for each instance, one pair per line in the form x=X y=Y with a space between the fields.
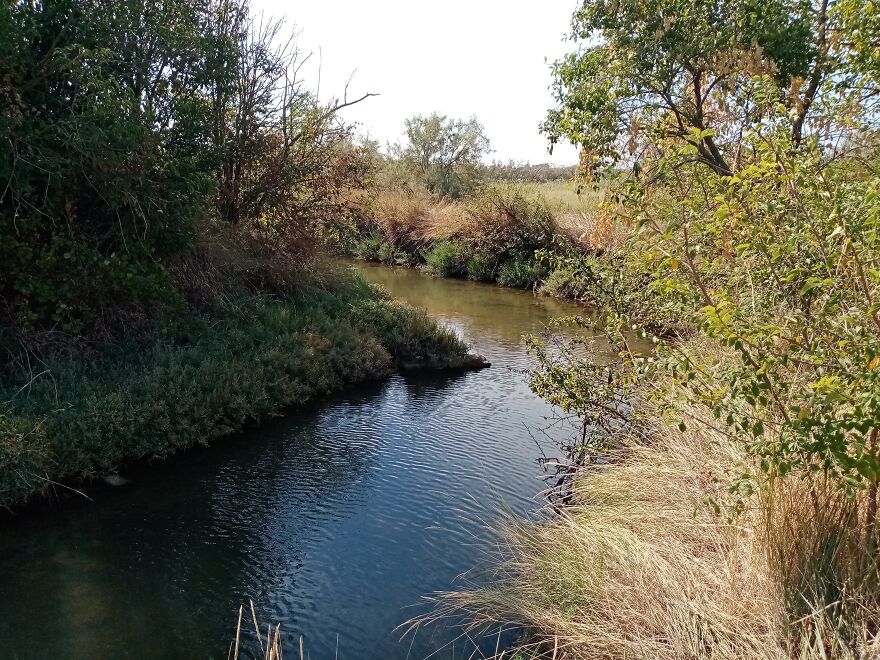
x=276 y=139
x=443 y=154
x=124 y=124
x=756 y=214
x=684 y=69
x=103 y=158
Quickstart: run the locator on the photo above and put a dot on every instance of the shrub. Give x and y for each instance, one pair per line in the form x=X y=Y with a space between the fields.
x=446 y=259
x=521 y=273
x=481 y=267
x=386 y=253
x=509 y=221
x=564 y=283
x=374 y=248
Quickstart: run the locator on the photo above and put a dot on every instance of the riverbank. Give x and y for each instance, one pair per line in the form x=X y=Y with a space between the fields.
x=676 y=548
x=88 y=412
x=548 y=239
x=509 y=234
x=335 y=517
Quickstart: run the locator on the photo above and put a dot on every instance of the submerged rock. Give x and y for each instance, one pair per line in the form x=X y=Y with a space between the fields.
x=114 y=480
x=474 y=362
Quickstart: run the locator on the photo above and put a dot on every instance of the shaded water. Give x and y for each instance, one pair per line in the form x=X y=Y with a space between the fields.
x=335 y=520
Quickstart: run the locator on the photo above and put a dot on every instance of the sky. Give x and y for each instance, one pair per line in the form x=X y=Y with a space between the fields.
x=487 y=58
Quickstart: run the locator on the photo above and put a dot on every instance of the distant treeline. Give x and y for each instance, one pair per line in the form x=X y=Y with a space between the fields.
x=519 y=172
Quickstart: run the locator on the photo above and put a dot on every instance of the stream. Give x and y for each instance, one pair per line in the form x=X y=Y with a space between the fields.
x=336 y=520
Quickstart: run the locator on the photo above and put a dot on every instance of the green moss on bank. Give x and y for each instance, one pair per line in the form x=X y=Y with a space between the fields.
x=90 y=414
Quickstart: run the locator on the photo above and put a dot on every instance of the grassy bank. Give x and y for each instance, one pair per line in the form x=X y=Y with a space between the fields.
x=648 y=566
x=161 y=281
x=85 y=412
x=516 y=235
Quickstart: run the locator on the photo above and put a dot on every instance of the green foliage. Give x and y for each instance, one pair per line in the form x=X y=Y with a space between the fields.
x=778 y=269
x=664 y=66
x=481 y=267
x=103 y=155
x=447 y=259
x=441 y=155
x=375 y=248
x=154 y=398
x=756 y=226
x=124 y=124
x=595 y=392
x=567 y=282
x=521 y=273
x=410 y=335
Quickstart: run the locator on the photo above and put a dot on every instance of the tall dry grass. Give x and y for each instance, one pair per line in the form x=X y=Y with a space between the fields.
x=416 y=219
x=645 y=567
x=579 y=214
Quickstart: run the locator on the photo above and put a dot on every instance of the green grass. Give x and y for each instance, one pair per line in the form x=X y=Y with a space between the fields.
x=88 y=415
x=563 y=196
x=374 y=248
x=481 y=267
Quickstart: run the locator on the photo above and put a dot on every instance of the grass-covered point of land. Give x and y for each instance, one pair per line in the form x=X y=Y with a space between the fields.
x=161 y=282
x=81 y=413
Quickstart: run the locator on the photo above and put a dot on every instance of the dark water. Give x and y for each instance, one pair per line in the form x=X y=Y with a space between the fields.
x=335 y=520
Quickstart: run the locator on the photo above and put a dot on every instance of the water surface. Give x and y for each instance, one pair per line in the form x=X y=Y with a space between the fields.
x=335 y=519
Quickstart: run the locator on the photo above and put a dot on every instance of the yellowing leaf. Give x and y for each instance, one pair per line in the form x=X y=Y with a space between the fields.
x=873 y=364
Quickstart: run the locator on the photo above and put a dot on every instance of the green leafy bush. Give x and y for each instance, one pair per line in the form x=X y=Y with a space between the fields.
x=375 y=248
x=409 y=334
x=521 y=273
x=446 y=259
x=154 y=398
x=481 y=267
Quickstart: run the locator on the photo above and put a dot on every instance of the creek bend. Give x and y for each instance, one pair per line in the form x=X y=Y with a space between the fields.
x=335 y=519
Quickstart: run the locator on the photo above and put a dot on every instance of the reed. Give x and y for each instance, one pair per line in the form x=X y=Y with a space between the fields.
x=270 y=646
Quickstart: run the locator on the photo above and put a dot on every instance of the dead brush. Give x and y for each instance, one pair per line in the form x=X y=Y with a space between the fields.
x=414 y=220
x=270 y=646
x=645 y=567
x=226 y=259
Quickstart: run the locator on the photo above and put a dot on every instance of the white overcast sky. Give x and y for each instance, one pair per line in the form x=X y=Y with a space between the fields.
x=487 y=58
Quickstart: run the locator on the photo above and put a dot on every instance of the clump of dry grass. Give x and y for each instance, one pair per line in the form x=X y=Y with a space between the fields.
x=645 y=567
x=581 y=215
x=413 y=220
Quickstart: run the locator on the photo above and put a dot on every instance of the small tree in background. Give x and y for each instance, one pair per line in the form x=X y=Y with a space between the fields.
x=441 y=154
